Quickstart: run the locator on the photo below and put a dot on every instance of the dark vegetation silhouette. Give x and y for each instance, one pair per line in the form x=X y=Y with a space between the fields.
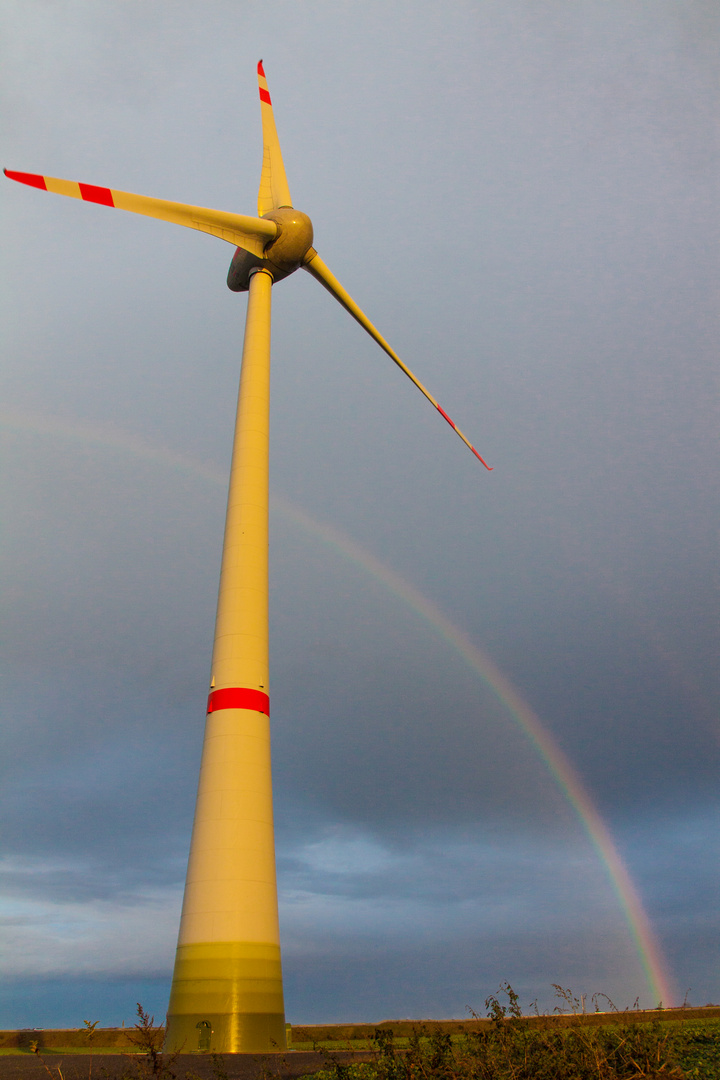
x=518 y=1047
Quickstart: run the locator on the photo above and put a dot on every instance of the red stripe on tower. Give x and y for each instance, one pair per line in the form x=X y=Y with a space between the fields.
x=238 y=697
x=102 y=195
x=27 y=178
x=264 y=96
x=261 y=69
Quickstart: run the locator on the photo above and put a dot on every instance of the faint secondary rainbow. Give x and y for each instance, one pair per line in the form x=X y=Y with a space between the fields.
x=558 y=765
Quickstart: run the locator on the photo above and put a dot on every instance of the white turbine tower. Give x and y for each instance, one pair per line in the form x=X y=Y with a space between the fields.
x=227 y=993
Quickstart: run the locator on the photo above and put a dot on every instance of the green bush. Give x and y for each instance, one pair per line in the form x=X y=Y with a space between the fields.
x=514 y=1047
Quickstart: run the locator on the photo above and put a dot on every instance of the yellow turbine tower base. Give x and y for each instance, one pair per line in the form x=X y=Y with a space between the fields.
x=227 y=994
x=227 y=997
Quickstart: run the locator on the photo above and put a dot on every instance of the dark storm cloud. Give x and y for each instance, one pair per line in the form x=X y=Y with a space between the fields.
x=523 y=198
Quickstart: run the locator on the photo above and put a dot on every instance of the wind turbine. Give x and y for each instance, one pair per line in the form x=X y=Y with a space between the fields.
x=227 y=993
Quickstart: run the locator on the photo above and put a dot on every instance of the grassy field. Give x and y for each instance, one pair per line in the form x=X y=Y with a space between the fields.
x=681 y=1044
x=509 y=1049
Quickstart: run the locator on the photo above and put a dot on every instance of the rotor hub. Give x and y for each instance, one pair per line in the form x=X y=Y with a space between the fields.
x=294 y=238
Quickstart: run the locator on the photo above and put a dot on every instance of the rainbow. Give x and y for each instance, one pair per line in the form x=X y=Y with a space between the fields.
x=553 y=757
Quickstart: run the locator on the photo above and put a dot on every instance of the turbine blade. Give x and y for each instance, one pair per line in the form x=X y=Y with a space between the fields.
x=249 y=233
x=320 y=272
x=274 y=191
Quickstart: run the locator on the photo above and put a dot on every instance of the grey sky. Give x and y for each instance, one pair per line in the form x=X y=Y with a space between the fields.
x=523 y=198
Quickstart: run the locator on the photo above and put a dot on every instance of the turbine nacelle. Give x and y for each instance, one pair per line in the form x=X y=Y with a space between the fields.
x=282 y=256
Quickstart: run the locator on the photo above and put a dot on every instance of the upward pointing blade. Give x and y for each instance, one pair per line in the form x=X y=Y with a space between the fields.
x=249 y=233
x=319 y=270
x=274 y=191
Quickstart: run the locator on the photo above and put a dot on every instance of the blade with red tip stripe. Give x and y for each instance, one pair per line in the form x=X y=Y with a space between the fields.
x=315 y=266
x=27 y=178
x=274 y=191
x=249 y=233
